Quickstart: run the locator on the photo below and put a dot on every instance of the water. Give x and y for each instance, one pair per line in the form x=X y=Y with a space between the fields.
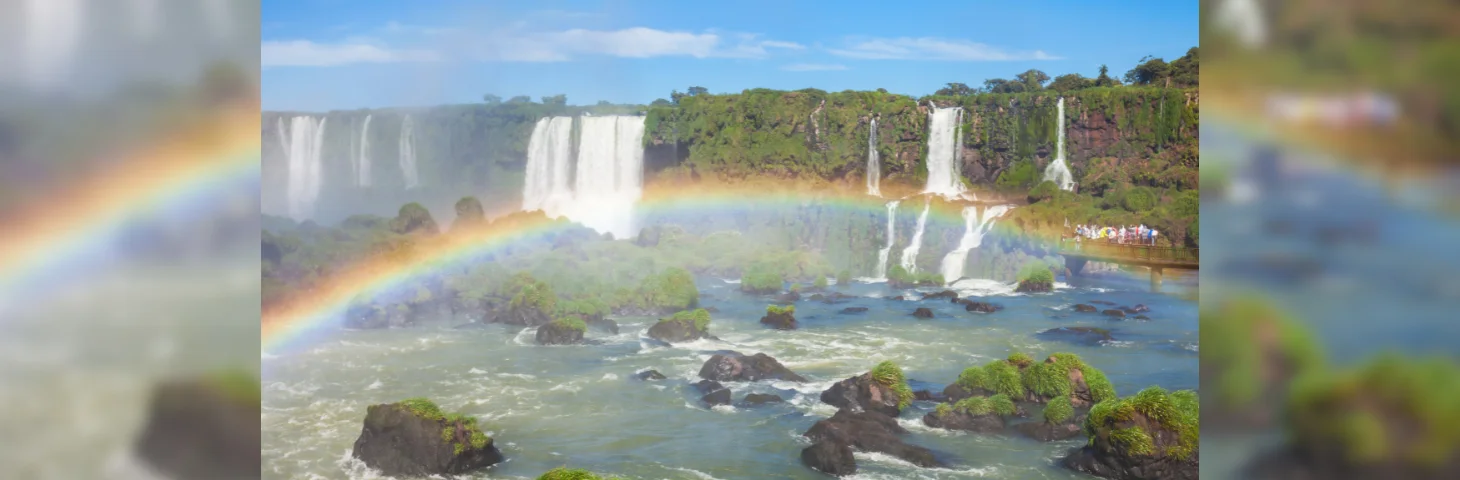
x=609 y=174
x=363 y=163
x=891 y=237
x=305 y=141
x=1057 y=171
x=954 y=262
x=549 y=152
x=408 y=153
x=910 y=253
x=580 y=406
x=874 y=169
x=944 y=140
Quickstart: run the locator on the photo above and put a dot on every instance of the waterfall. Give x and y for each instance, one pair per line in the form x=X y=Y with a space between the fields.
x=943 y=140
x=910 y=254
x=1057 y=171
x=304 y=143
x=608 y=175
x=363 y=162
x=882 y=254
x=548 y=156
x=972 y=237
x=874 y=169
x=408 y=153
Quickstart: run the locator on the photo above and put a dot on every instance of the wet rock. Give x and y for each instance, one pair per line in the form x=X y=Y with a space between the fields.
x=870 y=432
x=862 y=392
x=788 y=297
x=402 y=443
x=1077 y=335
x=948 y=294
x=1050 y=432
x=927 y=396
x=597 y=322
x=955 y=392
x=648 y=375
x=1141 y=317
x=1113 y=313
x=817 y=297
x=737 y=367
x=201 y=429
x=1089 y=459
x=1031 y=286
x=853 y=310
x=837 y=297
x=923 y=312
x=558 y=333
x=1086 y=308
x=779 y=320
x=717 y=397
x=762 y=398
x=834 y=458
x=954 y=419
x=707 y=386
x=1140 y=308
x=671 y=331
x=898 y=298
x=982 y=307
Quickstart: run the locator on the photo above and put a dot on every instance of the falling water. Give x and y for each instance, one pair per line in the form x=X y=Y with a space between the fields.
x=549 y=153
x=608 y=179
x=408 y=152
x=874 y=169
x=305 y=141
x=943 y=139
x=882 y=254
x=1057 y=171
x=910 y=254
x=972 y=237
x=363 y=163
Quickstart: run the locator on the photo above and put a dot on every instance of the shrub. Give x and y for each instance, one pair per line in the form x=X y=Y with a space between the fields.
x=536 y=295
x=1002 y=377
x=1178 y=412
x=888 y=374
x=1044 y=191
x=795 y=288
x=1036 y=272
x=820 y=282
x=1058 y=410
x=778 y=310
x=1047 y=380
x=1187 y=204
x=1139 y=199
x=1020 y=359
x=898 y=275
x=761 y=278
x=699 y=317
x=673 y=288
x=843 y=278
x=573 y=322
x=998 y=405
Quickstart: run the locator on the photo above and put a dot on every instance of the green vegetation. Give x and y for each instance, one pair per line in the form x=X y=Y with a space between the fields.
x=1036 y=272
x=565 y=473
x=761 y=278
x=1020 y=359
x=820 y=282
x=1100 y=387
x=572 y=322
x=1177 y=412
x=999 y=404
x=587 y=307
x=1058 y=410
x=454 y=423
x=698 y=318
x=536 y=294
x=237 y=384
x=672 y=289
x=998 y=376
x=843 y=278
x=1047 y=380
x=898 y=276
x=779 y=310
x=888 y=374
x=1240 y=335
x=413 y=218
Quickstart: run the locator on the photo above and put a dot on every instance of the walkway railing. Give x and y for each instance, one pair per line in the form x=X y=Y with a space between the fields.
x=1133 y=252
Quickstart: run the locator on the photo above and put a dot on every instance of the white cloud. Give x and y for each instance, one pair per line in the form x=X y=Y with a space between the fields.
x=928 y=48
x=304 y=53
x=812 y=67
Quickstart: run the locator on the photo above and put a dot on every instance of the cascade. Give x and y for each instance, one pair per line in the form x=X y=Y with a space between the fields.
x=882 y=254
x=408 y=153
x=548 y=162
x=874 y=169
x=1057 y=171
x=910 y=254
x=363 y=163
x=304 y=142
x=943 y=151
x=973 y=235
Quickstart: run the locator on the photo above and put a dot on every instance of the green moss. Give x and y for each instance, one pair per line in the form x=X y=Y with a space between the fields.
x=237 y=384
x=1058 y=410
x=565 y=473
x=1100 y=387
x=699 y=318
x=888 y=374
x=423 y=408
x=1037 y=272
x=1178 y=412
x=942 y=409
x=1134 y=440
x=572 y=322
x=451 y=422
x=1001 y=404
x=974 y=406
x=1228 y=331
x=1002 y=377
x=1047 y=380
x=778 y=310
x=1020 y=359
x=973 y=377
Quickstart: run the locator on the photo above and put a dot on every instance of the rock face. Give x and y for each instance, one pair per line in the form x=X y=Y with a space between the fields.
x=870 y=432
x=1029 y=286
x=600 y=323
x=401 y=443
x=862 y=393
x=1111 y=312
x=955 y=392
x=779 y=320
x=196 y=430
x=830 y=457
x=762 y=398
x=948 y=294
x=558 y=333
x=788 y=297
x=714 y=392
x=982 y=307
x=1077 y=335
x=927 y=396
x=736 y=367
x=1048 y=432
x=1086 y=308
x=1091 y=460
x=923 y=312
x=853 y=310
x=649 y=375
x=672 y=331
x=958 y=420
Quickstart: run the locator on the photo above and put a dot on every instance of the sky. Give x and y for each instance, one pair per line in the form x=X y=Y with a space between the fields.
x=320 y=55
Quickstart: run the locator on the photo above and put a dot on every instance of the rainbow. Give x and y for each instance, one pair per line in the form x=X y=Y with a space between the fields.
x=76 y=223
x=295 y=322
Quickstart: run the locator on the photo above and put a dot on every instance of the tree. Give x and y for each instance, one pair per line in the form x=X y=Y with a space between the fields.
x=1186 y=71
x=559 y=100
x=520 y=99
x=469 y=212
x=1032 y=79
x=1070 y=82
x=1105 y=80
x=999 y=85
x=491 y=99
x=659 y=102
x=1150 y=71
x=955 y=90
x=881 y=90
x=693 y=91
x=675 y=96
x=604 y=103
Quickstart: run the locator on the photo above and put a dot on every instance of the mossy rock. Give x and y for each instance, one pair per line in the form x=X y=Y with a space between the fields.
x=1151 y=424
x=1251 y=351
x=565 y=473
x=683 y=326
x=415 y=437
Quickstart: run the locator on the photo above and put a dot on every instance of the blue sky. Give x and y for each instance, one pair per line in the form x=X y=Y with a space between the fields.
x=343 y=54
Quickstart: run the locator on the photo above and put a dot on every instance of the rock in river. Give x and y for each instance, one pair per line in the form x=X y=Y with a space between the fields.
x=737 y=367
x=411 y=438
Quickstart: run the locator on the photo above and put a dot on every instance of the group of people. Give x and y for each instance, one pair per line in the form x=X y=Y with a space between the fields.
x=1134 y=234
